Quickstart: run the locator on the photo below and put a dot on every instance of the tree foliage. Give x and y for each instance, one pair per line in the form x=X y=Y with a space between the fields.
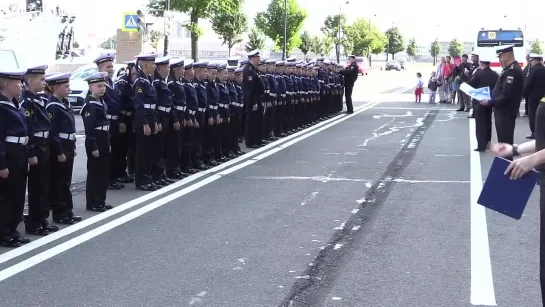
x=365 y=38
x=395 y=41
x=255 y=40
x=332 y=28
x=537 y=47
x=456 y=48
x=230 y=24
x=411 y=48
x=110 y=43
x=435 y=50
x=271 y=23
x=154 y=38
x=306 y=43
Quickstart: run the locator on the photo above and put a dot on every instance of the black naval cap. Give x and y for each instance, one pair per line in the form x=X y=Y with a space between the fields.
x=504 y=49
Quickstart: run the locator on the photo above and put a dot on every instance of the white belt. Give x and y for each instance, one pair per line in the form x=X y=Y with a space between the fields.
x=201 y=109
x=192 y=112
x=112 y=117
x=43 y=134
x=164 y=109
x=180 y=108
x=268 y=104
x=149 y=106
x=68 y=136
x=17 y=139
x=273 y=94
x=224 y=105
x=104 y=128
x=213 y=107
x=236 y=104
x=128 y=113
x=283 y=95
x=267 y=91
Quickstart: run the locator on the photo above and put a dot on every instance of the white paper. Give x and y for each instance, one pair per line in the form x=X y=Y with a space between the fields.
x=479 y=94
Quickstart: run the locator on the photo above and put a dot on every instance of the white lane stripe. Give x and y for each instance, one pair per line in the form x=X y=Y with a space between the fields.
x=7 y=256
x=482 y=283
x=55 y=250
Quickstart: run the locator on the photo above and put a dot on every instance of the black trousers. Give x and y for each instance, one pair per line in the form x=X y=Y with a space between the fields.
x=143 y=156
x=505 y=127
x=542 y=241
x=253 y=125
x=159 y=149
x=198 y=140
x=186 y=158
x=130 y=141
x=348 y=96
x=60 y=195
x=483 y=125
x=118 y=155
x=224 y=134
x=12 y=189
x=268 y=118
x=278 y=125
x=98 y=176
x=526 y=105
x=531 y=110
x=211 y=142
x=236 y=128
x=173 y=150
x=38 y=184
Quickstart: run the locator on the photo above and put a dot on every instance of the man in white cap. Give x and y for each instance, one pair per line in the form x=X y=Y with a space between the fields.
x=534 y=89
x=253 y=88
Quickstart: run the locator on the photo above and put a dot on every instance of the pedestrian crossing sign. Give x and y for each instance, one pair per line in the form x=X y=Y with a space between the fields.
x=130 y=22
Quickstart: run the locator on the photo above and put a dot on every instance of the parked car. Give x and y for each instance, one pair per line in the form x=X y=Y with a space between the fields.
x=363 y=65
x=393 y=65
x=78 y=86
x=403 y=64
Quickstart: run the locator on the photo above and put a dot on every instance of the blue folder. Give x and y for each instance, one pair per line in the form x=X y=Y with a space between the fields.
x=506 y=196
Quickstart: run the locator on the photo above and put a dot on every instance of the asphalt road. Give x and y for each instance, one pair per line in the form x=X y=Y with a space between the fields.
x=369 y=209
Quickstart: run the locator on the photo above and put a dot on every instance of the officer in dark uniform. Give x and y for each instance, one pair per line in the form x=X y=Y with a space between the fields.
x=145 y=121
x=236 y=113
x=97 y=143
x=177 y=120
x=253 y=89
x=105 y=63
x=242 y=64
x=202 y=95
x=534 y=89
x=62 y=140
x=526 y=72
x=163 y=112
x=350 y=74
x=265 y=103
x=189 y=148
x=212 y=149
x=485 y=77
x=123 y=89
x=224 y=113
x=507 y=95
x=473 y=68
x=234 y=108
x=38 y=152
x=13 y=158
x=280 y=98
x=290 y=98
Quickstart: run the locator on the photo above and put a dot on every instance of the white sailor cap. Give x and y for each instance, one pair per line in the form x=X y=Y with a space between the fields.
x=200 y=64
x=279 y=63
x=486 y=60
x=290 y=59
x=51 y=74
x=221 y=67
x=146 y=57
x=231 y=68
x=104 y=57
x=12 y=74
x=188 y=63
x=178 y=62
x=253 y=53
x=212 y=66
x=270 y=62
x=58 y=78
x=97 y=77
x=327 y=62
x=504 y=49
x=164 y=60
x=535 y=56
x=36 y=70
x=233 y=61
x=238 y=71
x=320 y=59
x=351 y=56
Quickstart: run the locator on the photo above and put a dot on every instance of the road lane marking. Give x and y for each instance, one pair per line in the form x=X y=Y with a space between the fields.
x=482 y=282
x=57 y=249
x=7 y=256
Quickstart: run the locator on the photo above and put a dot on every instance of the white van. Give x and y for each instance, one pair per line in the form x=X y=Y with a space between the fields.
x=9 y=60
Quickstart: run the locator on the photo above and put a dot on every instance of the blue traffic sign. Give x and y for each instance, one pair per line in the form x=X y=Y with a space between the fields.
x=130 y=22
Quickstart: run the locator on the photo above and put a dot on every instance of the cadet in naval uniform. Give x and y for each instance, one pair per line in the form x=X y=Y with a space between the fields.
x=212 y=138
x=13 y=158
x=39 y=126
x=236 y=113
x=105 y=63
x=145 y=122
x=484 y=77
x=270 y=117
x=507 y=95
x=202 y=102
x=97 y=143
x=224 y=104
x=62 y=140
x=233 y=147
x=265 y=102
x=189 y=147
x=534 y=89
x=163 y=114
x=123 y=89
x=281 y=99
x=177 y=120
x=253 y=89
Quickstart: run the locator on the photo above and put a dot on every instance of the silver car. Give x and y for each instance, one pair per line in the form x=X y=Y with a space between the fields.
x=79 y=88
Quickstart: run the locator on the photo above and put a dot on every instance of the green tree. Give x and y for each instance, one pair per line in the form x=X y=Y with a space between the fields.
x=396 y=43
x=365 y=37
x=110 y=43
x=435 y=50
x=306 y=43
x=255 y=40
x=333 y=25
x=411 y=48
x=537 y=47
x=456 y=48
x=154 y=38
x=196 y=9
x=230 y=24
x=271 y=23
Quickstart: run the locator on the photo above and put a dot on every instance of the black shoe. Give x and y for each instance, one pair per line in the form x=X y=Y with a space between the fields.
x=115 y=186
x=253 y=146
x=37 y=231
x=467 y=110
x=460 y=110
x=49 y=227
x=146 y=187
x=95 y=208
x=479 y=149
x=64 y=221
x=76 y=218
x=125 y=179
x=9 y=242
x=108 y=206
x=159 y=183
x=530 y=137
x=169 y=180
x=471 y=116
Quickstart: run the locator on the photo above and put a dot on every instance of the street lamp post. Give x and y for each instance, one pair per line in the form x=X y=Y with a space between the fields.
x=285 y=28
x=339 y=30
x=165 y=20
x=369 y=43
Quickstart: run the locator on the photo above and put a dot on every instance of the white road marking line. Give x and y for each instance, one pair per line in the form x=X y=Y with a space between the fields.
x=7 y=256
x=57 y=249
x=482 y=282
x=412 y=108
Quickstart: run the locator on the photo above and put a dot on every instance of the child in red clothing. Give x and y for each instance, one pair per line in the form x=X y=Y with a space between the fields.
x=419 y=88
